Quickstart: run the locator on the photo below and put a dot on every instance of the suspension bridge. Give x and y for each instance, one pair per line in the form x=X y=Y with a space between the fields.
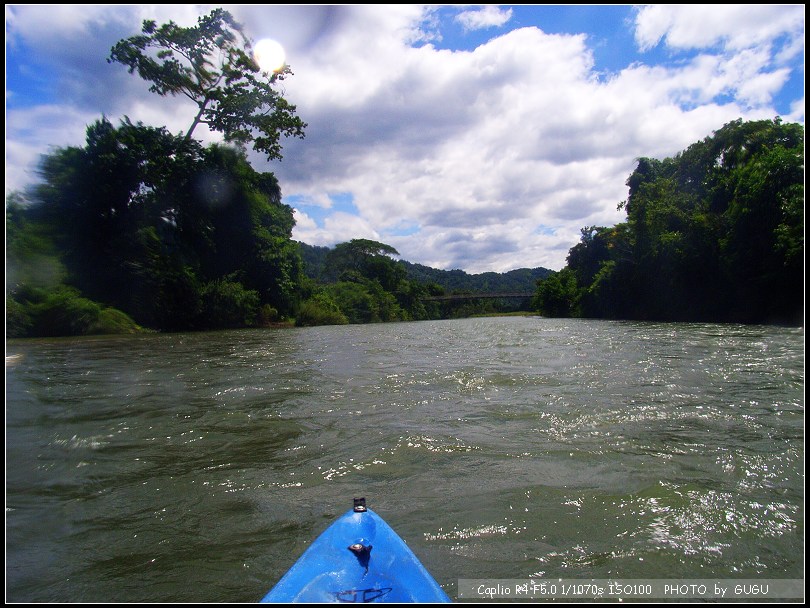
x=478 y=296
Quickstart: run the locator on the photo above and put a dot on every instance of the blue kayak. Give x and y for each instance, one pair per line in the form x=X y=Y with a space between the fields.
x=359 y=558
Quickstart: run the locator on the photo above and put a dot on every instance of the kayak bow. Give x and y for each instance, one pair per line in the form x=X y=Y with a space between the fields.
x=359 y=558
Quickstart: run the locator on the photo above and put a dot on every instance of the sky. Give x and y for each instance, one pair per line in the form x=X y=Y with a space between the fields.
x=477 y=137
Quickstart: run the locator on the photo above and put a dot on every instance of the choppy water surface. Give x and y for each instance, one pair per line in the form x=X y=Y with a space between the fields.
x=197 y=467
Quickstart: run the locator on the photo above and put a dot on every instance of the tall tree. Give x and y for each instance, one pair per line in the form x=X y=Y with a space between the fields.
x=211 y=64
x=117 y=207
x=366 y=257
x=247 y=227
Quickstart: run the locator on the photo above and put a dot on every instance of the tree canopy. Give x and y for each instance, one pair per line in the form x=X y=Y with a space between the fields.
x=140 y=227
x=143 y=228
x=156 y=225
x=211 y=64
x=358 y=255
x=715 y=233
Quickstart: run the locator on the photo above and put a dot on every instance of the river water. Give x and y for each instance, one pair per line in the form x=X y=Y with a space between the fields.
x=197 y=467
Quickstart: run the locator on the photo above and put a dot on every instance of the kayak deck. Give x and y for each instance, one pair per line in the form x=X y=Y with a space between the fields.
x=359 y=558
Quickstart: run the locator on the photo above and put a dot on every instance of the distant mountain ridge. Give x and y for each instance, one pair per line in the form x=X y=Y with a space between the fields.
x=523 y=280
x=520 y=280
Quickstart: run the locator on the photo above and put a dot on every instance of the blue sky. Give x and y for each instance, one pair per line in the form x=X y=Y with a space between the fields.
x=473 y=137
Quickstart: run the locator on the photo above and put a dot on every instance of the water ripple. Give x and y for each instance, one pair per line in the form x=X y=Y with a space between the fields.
x=196 y=467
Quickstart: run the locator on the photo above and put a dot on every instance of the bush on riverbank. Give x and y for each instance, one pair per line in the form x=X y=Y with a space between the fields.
x=63 y=312
x=320 y=310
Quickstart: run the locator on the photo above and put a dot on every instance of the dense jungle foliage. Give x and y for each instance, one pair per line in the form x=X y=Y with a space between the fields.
x=141 y=228
x=144 y=229
x=714 y=234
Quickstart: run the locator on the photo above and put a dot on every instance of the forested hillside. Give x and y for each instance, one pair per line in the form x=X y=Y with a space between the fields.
x=142 y=228
x=522 y=280
x=715 y=233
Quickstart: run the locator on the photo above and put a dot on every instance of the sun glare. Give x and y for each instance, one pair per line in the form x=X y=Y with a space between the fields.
x=269 y=54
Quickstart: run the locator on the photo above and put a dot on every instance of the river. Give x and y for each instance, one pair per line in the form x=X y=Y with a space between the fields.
x=197 y=467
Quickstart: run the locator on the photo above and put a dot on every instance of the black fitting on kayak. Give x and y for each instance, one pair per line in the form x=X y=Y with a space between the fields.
x=362 y=553
x=360 y=549
x=359 y=505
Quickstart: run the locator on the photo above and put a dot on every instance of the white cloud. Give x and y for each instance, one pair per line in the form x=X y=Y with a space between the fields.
x=480 y=148
x=32 y=132
x=488 y=16
x=796 y=111
x=699 y=26
x=338 y=228
x=491 y=159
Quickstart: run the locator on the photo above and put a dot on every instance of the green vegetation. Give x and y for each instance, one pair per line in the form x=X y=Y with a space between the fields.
x=320 y=310
x=358 y=282
x=141 y=228
x=153 y=225
x=63 y=312
x=522 y=280
x=714 y=234
x=178 y=236
x=367 y=286
x=212 y=65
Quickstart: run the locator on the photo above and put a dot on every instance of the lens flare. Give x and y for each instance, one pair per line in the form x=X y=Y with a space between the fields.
x=269 y=54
